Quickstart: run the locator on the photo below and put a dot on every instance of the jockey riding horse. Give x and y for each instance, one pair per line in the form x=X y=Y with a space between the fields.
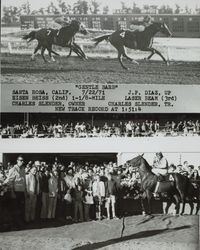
x=136 y=39
x=64 y=37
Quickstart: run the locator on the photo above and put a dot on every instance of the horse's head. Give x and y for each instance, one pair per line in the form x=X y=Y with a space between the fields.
x=135 y=162
x=139 y=163
x=79 y=27
x=164 y=29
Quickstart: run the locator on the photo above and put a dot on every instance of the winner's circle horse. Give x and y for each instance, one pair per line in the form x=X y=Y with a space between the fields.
x=138 y=40
x=63 y=37
x=177 y=187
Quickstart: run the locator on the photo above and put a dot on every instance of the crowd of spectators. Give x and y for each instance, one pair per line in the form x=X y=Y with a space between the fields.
x=37 y=191
x=107 y=129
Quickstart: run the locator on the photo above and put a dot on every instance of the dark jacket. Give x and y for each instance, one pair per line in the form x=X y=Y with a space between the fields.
x=110 y=188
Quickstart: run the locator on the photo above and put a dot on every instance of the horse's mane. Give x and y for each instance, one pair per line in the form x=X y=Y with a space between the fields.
x=138 y=159
x=146 y=163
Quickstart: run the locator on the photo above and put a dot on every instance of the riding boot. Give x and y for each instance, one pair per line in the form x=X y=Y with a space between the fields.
x=161 y=178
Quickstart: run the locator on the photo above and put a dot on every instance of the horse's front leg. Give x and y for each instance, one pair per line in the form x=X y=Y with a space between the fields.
x=130 y=59
x=150 y=56
x=70 y=52
x=73 y=48
x=77 y=49
x=163 y=58
x=142 y=205
x=158 y=53
x=153 y=52
x=80 y=50
x=149 y=196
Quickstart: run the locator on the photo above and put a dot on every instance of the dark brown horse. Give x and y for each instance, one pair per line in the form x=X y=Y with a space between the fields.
x=176 y=187
x=138 y=40
x=63 y=37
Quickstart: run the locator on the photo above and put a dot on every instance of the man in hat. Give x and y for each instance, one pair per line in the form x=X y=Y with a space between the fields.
x=16 y=179
x=160 y=165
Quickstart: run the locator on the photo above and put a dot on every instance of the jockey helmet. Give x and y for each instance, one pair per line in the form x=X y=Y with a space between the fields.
x=147 y=19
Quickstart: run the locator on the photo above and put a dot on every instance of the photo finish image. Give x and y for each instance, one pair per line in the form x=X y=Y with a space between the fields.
x=100 y=125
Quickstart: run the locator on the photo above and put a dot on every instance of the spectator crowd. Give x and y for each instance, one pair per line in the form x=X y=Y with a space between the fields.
x=37 y=191
x=107 y=129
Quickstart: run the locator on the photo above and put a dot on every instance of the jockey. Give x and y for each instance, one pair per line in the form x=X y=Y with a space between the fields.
x=63 y=21
x=60 y=22
x=140 y=26
x=160 y=165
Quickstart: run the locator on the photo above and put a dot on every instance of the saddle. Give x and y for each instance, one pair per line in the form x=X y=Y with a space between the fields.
x=55 y=36
x=131 y=35
x=164 y=178
x=164 y=183
x=130 y=39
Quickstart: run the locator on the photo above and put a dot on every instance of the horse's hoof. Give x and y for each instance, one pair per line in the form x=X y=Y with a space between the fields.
x=135 y=62
x=53 y=59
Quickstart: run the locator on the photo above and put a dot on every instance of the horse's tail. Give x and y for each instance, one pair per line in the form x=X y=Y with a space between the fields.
x=99 y=39
x=30 y=36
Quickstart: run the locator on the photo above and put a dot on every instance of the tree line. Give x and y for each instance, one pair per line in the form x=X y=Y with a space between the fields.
x=11 y=14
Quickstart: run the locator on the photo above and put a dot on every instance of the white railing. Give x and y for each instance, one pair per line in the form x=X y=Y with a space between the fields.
x=173 y=48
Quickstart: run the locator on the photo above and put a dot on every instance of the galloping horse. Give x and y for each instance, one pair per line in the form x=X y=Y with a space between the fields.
x=176 y=185
x=63 y=37
x=138 y=40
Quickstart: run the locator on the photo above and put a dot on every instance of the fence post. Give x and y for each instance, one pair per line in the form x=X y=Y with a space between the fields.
x=10 y=47
x=168 y=53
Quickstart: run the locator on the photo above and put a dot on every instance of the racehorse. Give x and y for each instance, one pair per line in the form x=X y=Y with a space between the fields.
x=63 y=37
x=192 y=196
x=138 y=40
x=176 y=185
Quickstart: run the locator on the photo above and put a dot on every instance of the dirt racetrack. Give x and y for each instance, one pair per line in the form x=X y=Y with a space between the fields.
x=161 y=232
x=19 y=69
